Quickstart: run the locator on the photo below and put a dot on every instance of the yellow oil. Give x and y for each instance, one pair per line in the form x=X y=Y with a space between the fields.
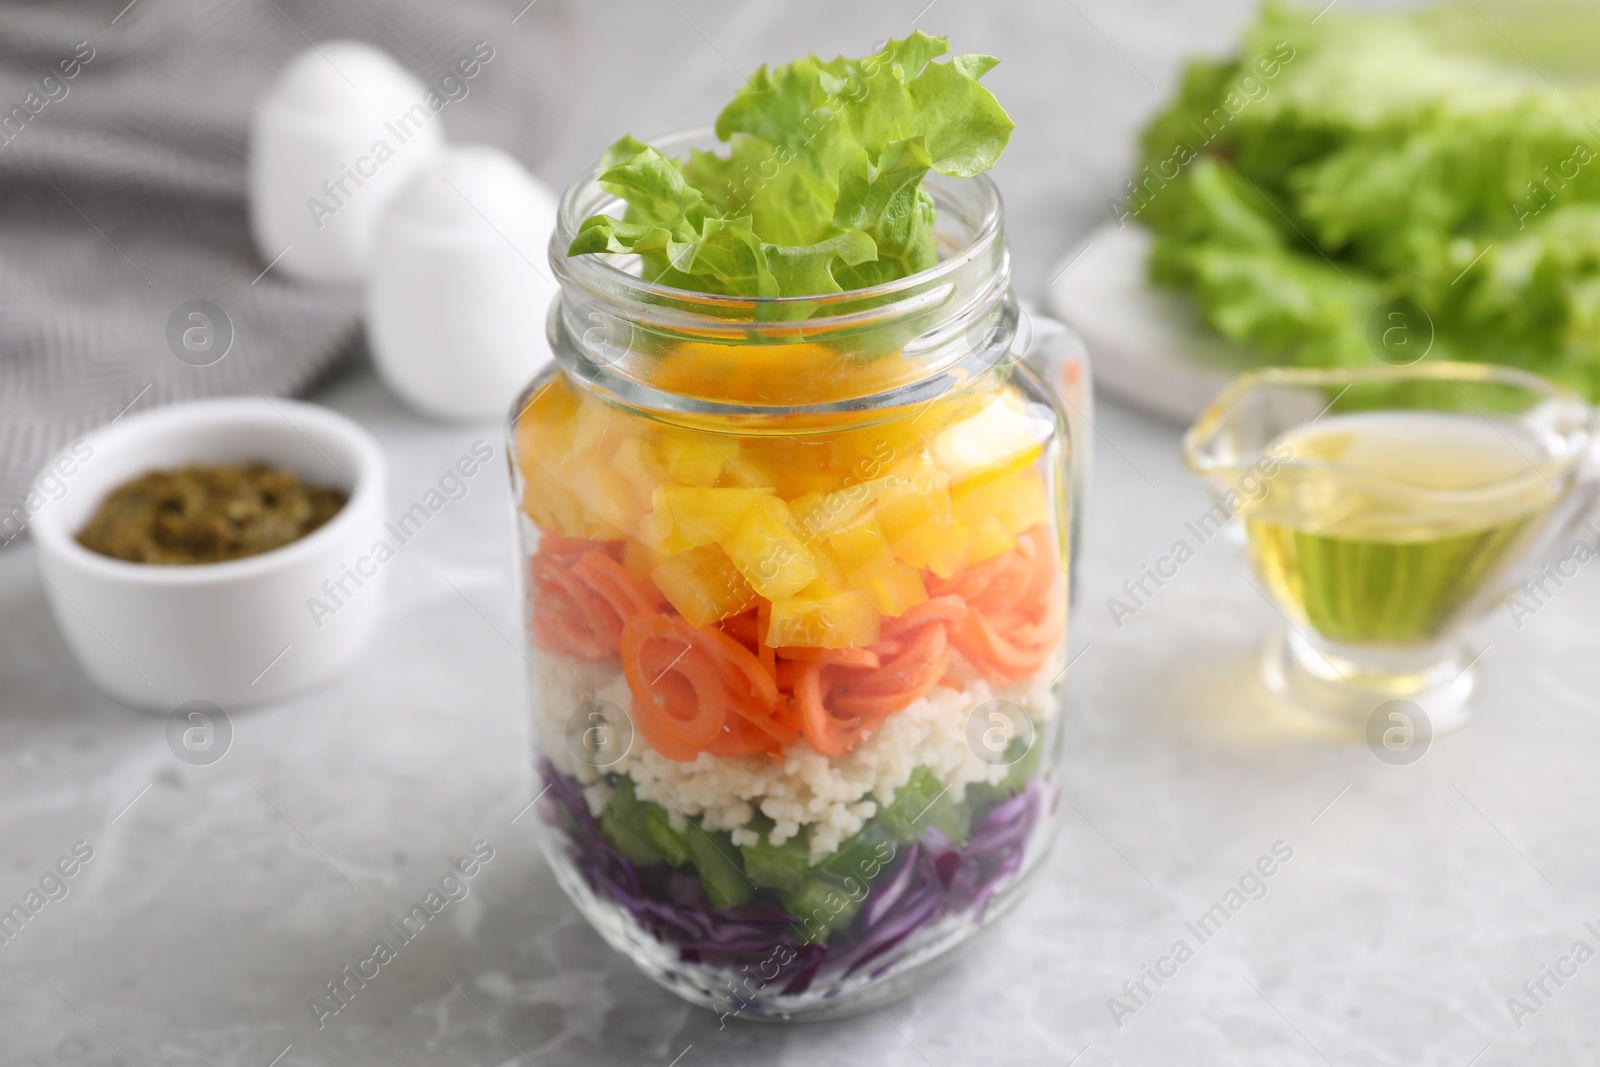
x=1384 y=525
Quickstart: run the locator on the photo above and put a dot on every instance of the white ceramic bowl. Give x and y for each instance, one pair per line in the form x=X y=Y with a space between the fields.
x=235 y=633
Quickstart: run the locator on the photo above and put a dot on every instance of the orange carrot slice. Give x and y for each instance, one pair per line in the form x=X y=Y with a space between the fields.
x=836 y=657
x=752 y=693
x=939 y=609
x=900 y=682
x=787 y=673
x=582 y=595
x=829 y=734
x=626 y=596
x=679 y=698
x=570 y=618
x=570 y=549
x=971 y=583
x=1017 y=620
x=699 y=690
x=565 y=549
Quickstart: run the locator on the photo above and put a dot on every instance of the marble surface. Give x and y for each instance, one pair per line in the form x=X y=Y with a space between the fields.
x=220 y=898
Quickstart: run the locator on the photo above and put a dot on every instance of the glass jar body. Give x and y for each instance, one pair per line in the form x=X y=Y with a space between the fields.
x=795 y=671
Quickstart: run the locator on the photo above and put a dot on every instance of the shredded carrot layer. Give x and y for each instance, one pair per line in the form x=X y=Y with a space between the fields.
x=722 y=689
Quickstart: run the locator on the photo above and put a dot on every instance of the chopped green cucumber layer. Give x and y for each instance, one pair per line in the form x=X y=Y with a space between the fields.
x=828 y=893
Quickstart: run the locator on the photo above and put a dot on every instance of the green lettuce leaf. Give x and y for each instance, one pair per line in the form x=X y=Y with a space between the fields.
x=821 y=189
x=1341 y=161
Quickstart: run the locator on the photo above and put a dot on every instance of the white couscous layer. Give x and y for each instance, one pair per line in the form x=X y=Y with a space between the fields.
x=803 y=789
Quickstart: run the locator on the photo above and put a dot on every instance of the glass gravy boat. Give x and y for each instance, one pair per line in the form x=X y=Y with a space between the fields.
x=1385 y=509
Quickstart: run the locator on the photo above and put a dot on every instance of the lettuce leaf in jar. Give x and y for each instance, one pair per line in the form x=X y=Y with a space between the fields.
x=822 y=187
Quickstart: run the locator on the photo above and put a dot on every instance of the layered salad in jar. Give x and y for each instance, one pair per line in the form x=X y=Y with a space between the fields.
x=796 y=678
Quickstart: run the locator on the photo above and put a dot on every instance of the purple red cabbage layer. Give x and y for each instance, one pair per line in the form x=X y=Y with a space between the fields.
x=799 y=927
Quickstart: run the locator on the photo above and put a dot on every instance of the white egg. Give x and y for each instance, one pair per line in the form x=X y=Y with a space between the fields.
x=334 y=139
x=461 y=285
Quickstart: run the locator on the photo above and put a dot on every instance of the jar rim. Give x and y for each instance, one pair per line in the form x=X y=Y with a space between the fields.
x=599 y=272
x=662 y=348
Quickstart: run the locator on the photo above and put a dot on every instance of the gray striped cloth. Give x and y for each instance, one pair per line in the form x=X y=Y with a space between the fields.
x=123 y=144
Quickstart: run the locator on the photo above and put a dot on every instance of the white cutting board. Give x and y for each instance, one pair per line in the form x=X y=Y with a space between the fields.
x=1149 y=347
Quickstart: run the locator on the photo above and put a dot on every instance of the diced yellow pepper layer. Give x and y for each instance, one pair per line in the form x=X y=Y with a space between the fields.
x=872 y=511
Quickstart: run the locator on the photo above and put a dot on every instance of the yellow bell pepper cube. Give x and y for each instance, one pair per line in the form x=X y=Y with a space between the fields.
x=551 y=507
x=636 y=462
x=896 y=590
x=796 y=465
x=686 y=517
x=704 y=585
x=831 y=577
x=1002 y=437
x=769 y=550
x=915 y=515
x=862 y=550
x=693 y=459
x=825 y=514
x=921 y=473
x=535 y=427
x=657 y=531
x=544 y=427
x=597 y=421
x=806 y=509
x=841 y=620
x=1018 y=501
x=1030 y=503
x=937 y=547
x=606 y=497
x=747 y=471
x=989 y=539
x=907 y=505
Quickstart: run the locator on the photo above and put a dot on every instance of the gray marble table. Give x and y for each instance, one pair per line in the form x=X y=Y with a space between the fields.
x=221 y=898
x=1415 y=900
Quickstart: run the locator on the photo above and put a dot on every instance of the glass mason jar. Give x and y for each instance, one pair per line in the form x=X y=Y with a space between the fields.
x=795 y=582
